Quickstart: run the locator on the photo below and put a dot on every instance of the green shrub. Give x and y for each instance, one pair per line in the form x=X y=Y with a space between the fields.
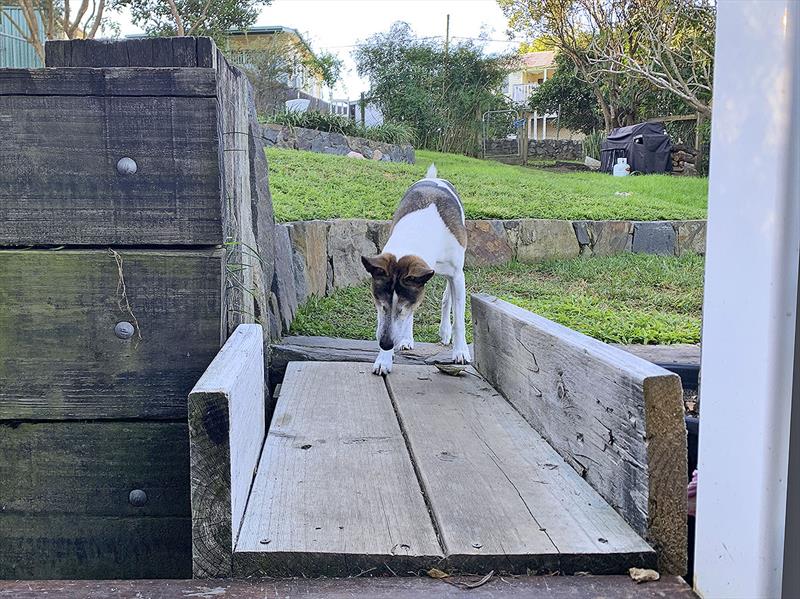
x=592 y=144
x=388 y=132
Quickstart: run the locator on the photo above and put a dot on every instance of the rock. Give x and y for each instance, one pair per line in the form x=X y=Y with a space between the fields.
x=348 y=240
x=583 y=236
x=270 y=134
x=610 y=237
x=689 y=170
x=540 y=239
x=691 y=237
x=352 y=154
x=283 y=281
x=653 y=238
x=310 y=241
x=300 y=277
x=378 y=232
x=377 y=155
x=592 y=163
x=487 y=243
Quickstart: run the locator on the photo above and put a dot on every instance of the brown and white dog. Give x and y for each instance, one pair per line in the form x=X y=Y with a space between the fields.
x=428 y=237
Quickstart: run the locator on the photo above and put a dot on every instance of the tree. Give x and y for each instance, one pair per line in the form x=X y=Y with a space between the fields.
x=674 y=50
x=441 y=92
x=193 y=17
x=571 y=25
x=58 y=19
x=573 y=98
x=625 y=50
x=277 y=61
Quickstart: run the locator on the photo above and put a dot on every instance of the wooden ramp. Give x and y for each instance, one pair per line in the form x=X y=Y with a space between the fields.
x=364 y=474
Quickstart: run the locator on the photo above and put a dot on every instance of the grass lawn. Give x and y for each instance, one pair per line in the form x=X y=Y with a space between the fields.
x=308 y=186
x=630 y=298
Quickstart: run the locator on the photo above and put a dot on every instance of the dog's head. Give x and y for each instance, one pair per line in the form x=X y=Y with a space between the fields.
x=398 y=287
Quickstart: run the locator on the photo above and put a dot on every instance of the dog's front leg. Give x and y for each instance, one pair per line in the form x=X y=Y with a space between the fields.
x=407 y=342
x=459 y=293
x=383 y=365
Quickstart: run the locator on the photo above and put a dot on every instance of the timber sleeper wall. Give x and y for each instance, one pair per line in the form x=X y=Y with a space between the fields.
x=135 y=173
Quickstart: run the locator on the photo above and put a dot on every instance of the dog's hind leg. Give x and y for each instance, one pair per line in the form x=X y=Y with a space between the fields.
x=445 y=328
x=407 y=342
x=459 y=293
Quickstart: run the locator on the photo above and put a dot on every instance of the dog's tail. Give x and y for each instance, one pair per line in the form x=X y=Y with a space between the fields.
x=432 y=172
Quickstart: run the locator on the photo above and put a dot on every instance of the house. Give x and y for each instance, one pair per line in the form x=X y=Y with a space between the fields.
x=531 y=71
x=292 y=62
x=15 y=51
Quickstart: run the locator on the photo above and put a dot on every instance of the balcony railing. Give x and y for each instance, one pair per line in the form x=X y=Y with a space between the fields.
x=522 y=91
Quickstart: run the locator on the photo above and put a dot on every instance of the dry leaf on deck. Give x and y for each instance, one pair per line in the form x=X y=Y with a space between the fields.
x=437 y=573
x=643 y=575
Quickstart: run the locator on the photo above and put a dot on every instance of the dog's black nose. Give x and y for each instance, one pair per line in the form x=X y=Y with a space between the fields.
x=386 y=344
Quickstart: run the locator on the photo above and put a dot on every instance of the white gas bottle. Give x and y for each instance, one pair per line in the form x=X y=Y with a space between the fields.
x=621 y=168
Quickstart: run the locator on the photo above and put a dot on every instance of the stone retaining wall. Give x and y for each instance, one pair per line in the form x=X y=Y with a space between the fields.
x=557 y=149
x=324 y=142
x=326 y=255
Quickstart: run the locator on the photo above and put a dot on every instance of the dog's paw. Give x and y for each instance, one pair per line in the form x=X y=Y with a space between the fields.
x=461 y=355
x=383 y=365
x=406 y=344
x=445 y=334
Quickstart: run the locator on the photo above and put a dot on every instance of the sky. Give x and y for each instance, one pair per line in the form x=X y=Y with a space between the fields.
x=338 y=25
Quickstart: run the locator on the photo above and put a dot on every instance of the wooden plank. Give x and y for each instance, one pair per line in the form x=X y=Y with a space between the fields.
x=335 y=492
x=156 y=52
x=75 y=546
x=298 y=348
x=517 y=587
x=61 y=356
x=63 y=187
x=615 y=418
x=227 y=424
x=90 y=468
x=82 y=81
x=502 y=498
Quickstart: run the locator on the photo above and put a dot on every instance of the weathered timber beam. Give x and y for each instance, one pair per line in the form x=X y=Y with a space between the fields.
x=226 y=431
x=616 y=418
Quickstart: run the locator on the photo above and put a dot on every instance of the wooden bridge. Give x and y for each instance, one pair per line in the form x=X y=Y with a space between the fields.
x=394 y=476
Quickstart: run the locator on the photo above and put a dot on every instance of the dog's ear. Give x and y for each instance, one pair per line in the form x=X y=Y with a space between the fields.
x=417 y=272
x=377 y=266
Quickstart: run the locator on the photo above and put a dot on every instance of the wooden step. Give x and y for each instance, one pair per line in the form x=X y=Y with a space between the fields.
x=364 y=474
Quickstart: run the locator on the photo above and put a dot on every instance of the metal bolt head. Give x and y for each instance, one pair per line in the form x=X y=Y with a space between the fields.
x=126 y=166
x=123 y=330
x=137 y=498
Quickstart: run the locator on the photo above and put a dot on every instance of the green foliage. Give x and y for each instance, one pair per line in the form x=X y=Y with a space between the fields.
x=565 y=91
x=307 y=186
x=394 y=133
x=592 y=144
x=630 y=298
x=194 y=17
x=326 y=65
x=441 y=94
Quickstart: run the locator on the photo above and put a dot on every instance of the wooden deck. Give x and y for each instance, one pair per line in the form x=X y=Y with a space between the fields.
x=503 y=587
x=361 y=474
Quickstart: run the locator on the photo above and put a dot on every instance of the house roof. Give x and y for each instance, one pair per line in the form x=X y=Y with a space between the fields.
x=269 y=30
x=538 y=60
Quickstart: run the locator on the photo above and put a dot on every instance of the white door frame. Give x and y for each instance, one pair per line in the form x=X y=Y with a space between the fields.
x=749 y=363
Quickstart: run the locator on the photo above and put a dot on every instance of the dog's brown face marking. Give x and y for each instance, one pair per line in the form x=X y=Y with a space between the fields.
x=398 y=287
